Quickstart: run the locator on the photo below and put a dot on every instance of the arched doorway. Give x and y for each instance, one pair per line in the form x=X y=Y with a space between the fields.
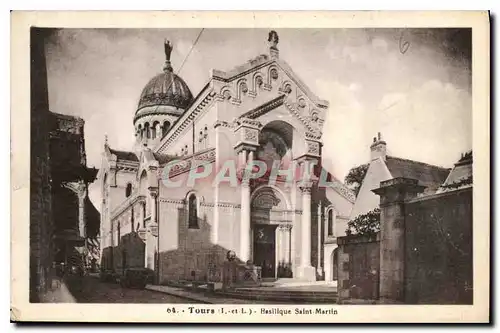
x=271 y=237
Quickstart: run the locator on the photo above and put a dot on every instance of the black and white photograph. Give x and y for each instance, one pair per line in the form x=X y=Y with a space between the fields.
x=279 y=173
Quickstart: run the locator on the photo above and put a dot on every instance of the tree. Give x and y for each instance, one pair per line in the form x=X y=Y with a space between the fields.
x=355 y=177
x=365 y=224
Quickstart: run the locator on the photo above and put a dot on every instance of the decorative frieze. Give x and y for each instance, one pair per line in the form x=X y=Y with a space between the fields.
x=189 y=162
x=313 y=148
x=247 y=132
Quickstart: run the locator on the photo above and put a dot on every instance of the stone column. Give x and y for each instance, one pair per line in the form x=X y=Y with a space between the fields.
x=286 y=242
x=82 y=194
x=150 y=230
x=158 y=131
x=245 y=221
x=307 y=272
x=319 y=269
x=141 y=215
x=247 y=136
x=279 y=245
x=393 y=194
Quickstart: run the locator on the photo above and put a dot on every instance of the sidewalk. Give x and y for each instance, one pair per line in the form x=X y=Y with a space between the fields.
x=59 y=293
x=199 y=296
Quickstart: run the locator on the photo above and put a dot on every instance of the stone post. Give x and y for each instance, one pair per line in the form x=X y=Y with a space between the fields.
x=393 y=194
x=307 y=272
x=245 y=221
x=151 y=229
x=82 y=194
x=319 y=269
x=247 y=133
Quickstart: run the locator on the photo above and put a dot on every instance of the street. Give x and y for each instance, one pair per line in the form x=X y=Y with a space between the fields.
x=91 y=290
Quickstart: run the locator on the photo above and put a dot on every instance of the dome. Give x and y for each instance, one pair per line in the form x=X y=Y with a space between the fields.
x=165 y=93
x=166 y=89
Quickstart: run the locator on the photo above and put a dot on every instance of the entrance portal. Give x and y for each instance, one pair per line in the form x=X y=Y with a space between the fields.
x=264 y=249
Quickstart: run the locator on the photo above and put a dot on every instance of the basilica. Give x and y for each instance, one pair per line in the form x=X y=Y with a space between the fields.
x=258 y=111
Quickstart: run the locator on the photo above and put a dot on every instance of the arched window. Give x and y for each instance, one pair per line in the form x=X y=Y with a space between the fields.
x=139 y=131
x=193 y=212
x=165 y=128
x=330 y=222
x=128 y=190
x=148 y=132
x=155 y=129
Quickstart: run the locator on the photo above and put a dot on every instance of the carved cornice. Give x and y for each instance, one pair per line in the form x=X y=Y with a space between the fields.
x=313 y=131
x=227 y=205
x=248 y=122
x=223 y=123
x=264 y=108
x=173 y=201
x=189 y=162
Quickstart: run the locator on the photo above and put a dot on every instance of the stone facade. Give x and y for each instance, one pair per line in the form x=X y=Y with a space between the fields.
x=60 y=211
x=261 y=112
x=40 y=190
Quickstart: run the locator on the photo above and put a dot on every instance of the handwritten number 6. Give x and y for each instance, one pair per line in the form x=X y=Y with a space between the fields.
x=403 y=45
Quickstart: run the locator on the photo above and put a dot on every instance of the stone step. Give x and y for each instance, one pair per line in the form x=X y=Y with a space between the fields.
x=278 y=291
x=285 y=296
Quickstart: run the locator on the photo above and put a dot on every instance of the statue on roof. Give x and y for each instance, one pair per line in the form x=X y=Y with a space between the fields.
x=273 y=39
x=168 y=51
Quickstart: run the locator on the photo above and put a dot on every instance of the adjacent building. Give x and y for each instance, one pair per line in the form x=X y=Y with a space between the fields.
x=61 y=215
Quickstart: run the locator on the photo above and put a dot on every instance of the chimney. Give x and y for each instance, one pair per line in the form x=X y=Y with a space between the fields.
x=378 y=148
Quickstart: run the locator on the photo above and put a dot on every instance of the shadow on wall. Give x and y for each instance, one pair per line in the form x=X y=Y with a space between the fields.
x=196 y=257
x=129 y=253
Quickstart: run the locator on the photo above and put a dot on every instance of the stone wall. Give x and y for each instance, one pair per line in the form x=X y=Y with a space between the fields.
x=438 y=249
x=358 y=266
x=41 y=251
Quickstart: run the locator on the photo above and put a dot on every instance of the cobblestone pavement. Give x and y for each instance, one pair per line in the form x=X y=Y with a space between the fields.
x=91 y=290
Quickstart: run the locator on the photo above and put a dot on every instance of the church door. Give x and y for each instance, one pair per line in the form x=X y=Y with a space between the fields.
x=265 y=249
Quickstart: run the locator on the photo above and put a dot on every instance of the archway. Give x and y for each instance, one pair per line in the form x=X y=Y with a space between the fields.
x=270 y=246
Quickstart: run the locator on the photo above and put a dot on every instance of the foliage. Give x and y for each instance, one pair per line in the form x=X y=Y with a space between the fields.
x=365 y=224
x=355 y=177
x=459 y=183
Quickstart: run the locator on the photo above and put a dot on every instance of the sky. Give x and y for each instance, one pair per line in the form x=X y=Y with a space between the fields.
x=412 y=85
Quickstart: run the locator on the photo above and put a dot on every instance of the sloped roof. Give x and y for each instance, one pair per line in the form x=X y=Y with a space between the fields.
x=124 y=155
x=428 y=175
x=460 y=174
x=336 y=184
